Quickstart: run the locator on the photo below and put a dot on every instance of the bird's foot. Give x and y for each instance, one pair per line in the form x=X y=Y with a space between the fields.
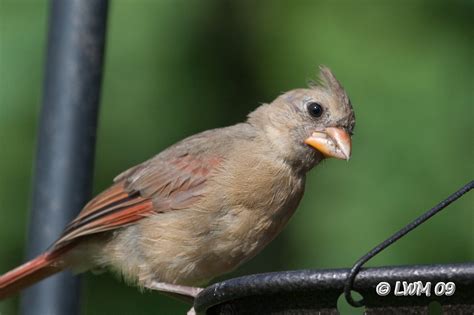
x=174 y=288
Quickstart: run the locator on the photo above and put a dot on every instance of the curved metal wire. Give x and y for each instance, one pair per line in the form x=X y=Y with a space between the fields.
x=405 y=230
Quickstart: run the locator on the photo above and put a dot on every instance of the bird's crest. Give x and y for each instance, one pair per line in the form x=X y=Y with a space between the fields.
x=328 y=81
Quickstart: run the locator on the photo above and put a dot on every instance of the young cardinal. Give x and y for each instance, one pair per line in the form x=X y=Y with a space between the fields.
x=208 y=203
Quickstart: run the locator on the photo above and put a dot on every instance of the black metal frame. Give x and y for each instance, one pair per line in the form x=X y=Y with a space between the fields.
x=317 y=291
x=66 y=140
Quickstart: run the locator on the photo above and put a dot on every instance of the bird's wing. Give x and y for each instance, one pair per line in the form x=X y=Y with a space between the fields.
x=158 y=185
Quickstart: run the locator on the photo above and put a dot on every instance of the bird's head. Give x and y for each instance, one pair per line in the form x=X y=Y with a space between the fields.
x=305 y=126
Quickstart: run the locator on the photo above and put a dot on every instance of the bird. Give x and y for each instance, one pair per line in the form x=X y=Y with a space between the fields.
x=207 y=204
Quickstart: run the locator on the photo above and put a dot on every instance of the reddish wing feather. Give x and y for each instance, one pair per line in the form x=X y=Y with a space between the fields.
x=113 y=194
x=155 y=186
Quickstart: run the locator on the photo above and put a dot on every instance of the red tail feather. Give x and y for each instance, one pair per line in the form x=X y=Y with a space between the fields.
x=27 y=274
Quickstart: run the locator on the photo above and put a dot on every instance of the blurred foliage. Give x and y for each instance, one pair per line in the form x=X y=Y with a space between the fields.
x=174 y=68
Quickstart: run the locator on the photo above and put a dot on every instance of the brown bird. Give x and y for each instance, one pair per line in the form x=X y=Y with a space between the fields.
x=208 y=203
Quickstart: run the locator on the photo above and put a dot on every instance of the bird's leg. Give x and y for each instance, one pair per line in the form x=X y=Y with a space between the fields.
x=174 y=288
x=180 y=292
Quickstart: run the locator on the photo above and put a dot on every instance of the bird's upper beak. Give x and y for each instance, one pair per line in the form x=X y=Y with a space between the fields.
x=331 y=142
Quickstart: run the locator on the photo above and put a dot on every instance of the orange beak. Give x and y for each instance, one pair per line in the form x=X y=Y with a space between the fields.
x=331 y=142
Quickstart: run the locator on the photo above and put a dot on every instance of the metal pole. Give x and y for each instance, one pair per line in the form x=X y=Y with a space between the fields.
x=65 y=149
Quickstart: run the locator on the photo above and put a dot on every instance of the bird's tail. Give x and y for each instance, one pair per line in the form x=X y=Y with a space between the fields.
x=30 y=272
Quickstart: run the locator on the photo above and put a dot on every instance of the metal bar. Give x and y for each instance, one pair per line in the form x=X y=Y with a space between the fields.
x=318 y=290
x=66 y=141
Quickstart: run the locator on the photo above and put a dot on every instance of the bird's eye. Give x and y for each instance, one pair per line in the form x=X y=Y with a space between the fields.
x=315 y=109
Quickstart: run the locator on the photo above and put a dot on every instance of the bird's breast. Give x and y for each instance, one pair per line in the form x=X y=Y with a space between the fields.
x=258 y=200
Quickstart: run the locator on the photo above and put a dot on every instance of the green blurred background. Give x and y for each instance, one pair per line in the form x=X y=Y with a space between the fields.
x=174 y=68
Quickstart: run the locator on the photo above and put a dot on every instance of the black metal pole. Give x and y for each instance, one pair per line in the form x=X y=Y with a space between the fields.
x=66 y=141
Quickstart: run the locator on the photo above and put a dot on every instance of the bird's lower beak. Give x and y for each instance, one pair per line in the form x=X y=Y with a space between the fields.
x=331 y=142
